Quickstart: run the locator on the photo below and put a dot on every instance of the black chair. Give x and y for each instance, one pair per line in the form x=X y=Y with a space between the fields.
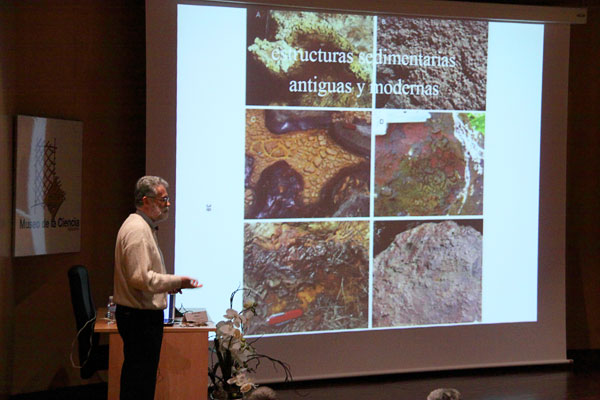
x=92 y=356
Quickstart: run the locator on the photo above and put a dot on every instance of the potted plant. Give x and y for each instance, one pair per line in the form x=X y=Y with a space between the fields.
x=234 y=357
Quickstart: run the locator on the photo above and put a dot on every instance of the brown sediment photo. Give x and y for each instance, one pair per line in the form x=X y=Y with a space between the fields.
x=307 y=276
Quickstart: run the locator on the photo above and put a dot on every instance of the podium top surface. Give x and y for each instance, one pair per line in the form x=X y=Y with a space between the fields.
x=104 y=325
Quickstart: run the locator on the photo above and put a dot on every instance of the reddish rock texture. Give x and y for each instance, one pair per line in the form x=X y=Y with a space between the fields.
x=462 y=86
x=428 y=275
x=425 y=169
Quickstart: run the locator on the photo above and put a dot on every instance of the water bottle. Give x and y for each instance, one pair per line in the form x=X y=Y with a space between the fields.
x=110 y=308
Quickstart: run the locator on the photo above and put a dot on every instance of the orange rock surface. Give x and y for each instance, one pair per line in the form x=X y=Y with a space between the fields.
x=311 y=153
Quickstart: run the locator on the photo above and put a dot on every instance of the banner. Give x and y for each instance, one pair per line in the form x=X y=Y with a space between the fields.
x=47 y=216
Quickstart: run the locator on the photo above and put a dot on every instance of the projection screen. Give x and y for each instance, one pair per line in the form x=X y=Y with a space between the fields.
x=389 y=185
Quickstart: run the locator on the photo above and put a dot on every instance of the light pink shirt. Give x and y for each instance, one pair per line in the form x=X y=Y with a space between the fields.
x=141 y=279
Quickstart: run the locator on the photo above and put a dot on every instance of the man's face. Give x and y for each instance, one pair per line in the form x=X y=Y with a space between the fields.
x=157 y=207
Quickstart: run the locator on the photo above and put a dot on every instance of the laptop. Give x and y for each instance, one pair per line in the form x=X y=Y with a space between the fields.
x=169 y=312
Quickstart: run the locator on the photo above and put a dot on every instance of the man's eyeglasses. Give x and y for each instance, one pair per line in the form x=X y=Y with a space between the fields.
x=164 y=199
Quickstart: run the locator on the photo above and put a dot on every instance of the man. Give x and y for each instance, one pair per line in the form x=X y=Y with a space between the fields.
x=141 y=287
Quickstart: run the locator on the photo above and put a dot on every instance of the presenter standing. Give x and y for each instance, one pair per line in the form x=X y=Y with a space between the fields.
x=141 y=286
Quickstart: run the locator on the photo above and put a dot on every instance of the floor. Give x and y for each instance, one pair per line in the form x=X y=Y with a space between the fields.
x=577 y=381
x=556 y=383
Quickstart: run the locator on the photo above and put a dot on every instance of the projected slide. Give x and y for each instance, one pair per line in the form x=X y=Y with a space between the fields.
x=357 y=172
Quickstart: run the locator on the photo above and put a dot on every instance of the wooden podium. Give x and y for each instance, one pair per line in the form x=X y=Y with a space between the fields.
x=183 y=366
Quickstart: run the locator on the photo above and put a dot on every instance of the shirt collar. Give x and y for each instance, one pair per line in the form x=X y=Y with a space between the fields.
x=152 y=224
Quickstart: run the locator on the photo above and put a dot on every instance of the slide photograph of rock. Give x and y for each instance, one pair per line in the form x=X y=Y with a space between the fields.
x=307 y=164
x=308 y=59
x=427 y=273
x=307 y=276
x=431 y=64
x=432 y=166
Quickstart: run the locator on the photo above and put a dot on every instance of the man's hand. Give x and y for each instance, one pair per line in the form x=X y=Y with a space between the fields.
x=189 y=283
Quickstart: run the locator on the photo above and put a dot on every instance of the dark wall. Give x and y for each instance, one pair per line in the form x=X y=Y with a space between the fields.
x=583 y=186
x=85 y=60
x=7 y=73
x=79 y=60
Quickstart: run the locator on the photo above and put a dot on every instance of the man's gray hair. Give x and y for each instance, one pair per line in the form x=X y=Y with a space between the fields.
x=146 y=186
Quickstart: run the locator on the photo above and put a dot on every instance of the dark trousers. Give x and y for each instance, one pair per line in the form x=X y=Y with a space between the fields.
x=142 y=332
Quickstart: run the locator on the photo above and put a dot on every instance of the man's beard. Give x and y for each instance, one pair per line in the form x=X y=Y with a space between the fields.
x=163 y=214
